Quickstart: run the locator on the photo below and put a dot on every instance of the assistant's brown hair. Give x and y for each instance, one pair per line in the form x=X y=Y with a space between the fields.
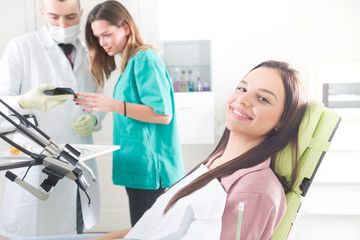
x=101 y=64
x=296 y=103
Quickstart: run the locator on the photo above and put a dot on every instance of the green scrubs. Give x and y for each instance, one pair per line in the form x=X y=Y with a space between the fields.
x=149 y=153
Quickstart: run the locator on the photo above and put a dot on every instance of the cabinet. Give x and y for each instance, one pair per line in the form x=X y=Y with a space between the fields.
x=195 y=117
x=188 y=64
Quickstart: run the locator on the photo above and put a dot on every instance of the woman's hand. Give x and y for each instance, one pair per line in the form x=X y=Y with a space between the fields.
x=95 y=101
x=100 y=103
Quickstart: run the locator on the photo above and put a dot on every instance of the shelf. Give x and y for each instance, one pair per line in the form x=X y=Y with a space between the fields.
x=189 y=66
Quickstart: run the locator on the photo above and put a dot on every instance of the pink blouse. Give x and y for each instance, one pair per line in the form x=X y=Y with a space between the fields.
x=263 y=197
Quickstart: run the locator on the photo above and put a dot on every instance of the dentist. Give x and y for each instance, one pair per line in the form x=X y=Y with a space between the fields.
x=32 y=63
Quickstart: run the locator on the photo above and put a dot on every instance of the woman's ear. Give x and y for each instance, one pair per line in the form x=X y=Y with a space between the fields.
x=277 y=126
x=273 y=131
x=126 y=28
x=270 y=133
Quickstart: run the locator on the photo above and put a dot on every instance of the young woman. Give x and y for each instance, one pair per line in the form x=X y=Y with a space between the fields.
x=143 y=106
x=263 y=116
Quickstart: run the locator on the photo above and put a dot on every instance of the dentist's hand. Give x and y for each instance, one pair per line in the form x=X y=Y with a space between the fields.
x=85 y=124
x=35 y=98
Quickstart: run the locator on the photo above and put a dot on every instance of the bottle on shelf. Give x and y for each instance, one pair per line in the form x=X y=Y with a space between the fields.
x=183 y=83
x=190 y=81
x=206 y=87
x=199 y=87
x=176 y=79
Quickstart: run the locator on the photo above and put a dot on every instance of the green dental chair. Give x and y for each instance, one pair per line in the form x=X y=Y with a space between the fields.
x=316 y=132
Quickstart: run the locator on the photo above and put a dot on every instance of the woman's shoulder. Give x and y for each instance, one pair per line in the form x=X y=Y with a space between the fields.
x=146 y=54
x=145 y=58
x=262 y=181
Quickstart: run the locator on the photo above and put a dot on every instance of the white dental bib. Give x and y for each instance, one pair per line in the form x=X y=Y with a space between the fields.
x=196 y=216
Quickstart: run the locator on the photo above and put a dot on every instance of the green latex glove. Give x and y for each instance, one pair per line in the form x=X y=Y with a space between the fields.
x=35 y=98
x=84 y=124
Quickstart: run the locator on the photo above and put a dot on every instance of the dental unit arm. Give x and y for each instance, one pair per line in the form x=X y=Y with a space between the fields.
x=61 y=162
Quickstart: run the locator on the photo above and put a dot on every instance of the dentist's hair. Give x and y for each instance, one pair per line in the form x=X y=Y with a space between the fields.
x=101 y=64
x=296 y=103
x=42 y=2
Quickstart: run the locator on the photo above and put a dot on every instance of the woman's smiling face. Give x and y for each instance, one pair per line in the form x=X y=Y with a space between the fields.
x=256 y=106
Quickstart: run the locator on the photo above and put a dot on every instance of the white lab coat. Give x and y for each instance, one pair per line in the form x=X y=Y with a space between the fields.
x=28 y=61
x=196 y=216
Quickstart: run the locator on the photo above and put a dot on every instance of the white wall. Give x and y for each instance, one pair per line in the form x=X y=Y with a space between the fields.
x=24 y=21
x=244 y=33
x=16 y=18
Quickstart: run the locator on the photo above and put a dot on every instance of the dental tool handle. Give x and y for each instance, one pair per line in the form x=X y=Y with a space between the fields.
x=81 y=182
x=87 y=169
x=72 y=150
x=56 y=144
x=25 y=131
x=36 y=192
x=13 y=165
x=25 y=120
x=238 y=229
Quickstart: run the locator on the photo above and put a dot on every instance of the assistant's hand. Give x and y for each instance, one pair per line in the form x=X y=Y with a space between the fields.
x=96 y=102
x=84 y=124
x=35 y=98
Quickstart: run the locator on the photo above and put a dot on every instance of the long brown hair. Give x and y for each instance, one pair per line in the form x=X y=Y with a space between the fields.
x=101 y=64
x=296 y=102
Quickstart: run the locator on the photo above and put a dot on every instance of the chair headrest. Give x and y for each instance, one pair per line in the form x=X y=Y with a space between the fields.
x=315 y=133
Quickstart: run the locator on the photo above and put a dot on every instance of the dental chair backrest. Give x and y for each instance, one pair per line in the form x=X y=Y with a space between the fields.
x=315 y=134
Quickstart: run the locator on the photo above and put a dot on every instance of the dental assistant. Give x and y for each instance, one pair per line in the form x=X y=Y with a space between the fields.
x=143 y=108
x=32 y=63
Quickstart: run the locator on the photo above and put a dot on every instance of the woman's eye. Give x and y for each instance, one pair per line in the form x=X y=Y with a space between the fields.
x=107 y=35
x=241 y=89
x=264 y=99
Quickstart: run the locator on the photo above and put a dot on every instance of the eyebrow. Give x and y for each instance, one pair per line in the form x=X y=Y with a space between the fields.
x=68 y=15
x=261 y=89
x=102 y=34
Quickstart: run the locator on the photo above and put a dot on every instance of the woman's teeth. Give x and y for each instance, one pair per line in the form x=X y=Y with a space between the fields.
x=240 y=114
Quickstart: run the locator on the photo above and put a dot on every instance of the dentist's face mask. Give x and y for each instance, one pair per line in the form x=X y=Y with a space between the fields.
x=64 y=35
